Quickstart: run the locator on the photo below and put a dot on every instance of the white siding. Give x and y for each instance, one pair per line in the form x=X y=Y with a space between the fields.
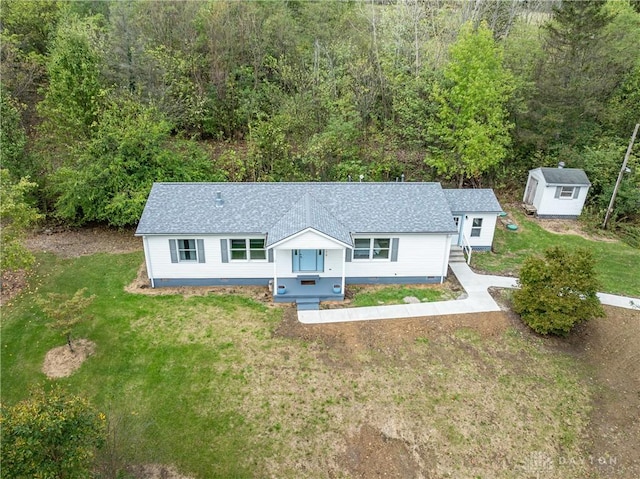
x=332 y=263
x=549 y=205
x=486 y=232
x=159 y=257
x=418 y=255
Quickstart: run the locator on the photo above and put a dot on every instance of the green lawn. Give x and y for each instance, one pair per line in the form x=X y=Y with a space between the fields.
x=617 y=264
x=394 y=295
x=172 y=389
x=204 y=384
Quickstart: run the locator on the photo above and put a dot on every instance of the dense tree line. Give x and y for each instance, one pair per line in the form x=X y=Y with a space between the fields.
x=100 y=99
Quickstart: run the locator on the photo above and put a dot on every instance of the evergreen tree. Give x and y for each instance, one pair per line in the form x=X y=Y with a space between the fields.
x=557 y=290
x=575 y=77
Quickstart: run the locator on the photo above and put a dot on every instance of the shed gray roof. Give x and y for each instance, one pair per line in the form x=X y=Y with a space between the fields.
x=565 y=176
x=283 y=209
x=473 y=201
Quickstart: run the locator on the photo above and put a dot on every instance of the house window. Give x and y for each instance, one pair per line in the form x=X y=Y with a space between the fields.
x=566 y=192
x=250 y=249
x=372 y=248
x=476 y=227
x=187 y=250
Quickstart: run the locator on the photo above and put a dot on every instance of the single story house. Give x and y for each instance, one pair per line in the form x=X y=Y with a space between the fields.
x=307 y=241
x=556 y=192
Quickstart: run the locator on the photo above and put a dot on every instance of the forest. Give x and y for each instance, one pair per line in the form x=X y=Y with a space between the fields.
x=99 y=99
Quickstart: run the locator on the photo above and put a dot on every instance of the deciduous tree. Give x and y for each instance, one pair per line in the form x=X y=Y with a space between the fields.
x=66 y=312
x=16 y=215
x=72 y=99
x=470 y=129
x=113 y=173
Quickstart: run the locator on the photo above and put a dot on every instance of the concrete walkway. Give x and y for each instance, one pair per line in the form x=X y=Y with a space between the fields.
x=478 y=300
x=626 y=302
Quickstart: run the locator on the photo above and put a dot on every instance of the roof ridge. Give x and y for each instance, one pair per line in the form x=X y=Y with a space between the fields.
x=307 y=207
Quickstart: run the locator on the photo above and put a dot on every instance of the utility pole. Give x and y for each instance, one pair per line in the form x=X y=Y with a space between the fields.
x=620 y=175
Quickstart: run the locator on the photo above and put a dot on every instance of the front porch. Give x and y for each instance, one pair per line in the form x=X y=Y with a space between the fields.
x=308 y=286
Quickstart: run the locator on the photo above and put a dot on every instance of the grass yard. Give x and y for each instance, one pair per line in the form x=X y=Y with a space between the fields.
x=617 y=264
x=386 y=295
x=215 y=385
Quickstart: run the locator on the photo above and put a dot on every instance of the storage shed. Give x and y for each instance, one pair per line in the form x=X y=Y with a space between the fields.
x=556 y=192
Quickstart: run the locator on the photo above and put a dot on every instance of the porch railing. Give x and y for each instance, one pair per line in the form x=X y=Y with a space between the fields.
x=466 y=248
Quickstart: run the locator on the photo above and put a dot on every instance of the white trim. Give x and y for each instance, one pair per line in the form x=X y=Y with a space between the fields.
x=474 y=227
x=194 y=249
x=570 y=189
x=248 y=249
x=279 y=244
x=275 y=272
x=372 y=248
x=147 y=257
x=445 y=264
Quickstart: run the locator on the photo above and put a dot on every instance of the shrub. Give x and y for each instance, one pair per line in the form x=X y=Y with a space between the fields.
x=50 y=434
x=557 y=290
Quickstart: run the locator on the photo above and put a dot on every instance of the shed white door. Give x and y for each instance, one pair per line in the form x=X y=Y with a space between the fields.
x=531 y=191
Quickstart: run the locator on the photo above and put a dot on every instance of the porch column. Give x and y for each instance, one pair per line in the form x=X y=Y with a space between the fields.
x=447 y=252
x=275 y=272
x=344 y=267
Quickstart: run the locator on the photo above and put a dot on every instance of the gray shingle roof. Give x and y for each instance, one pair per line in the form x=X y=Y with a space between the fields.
x=473 y=201
x=283 y=209
x=308 y=213
x=565 y=176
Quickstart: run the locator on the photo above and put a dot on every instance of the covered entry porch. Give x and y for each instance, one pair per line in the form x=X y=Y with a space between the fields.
x=309 y=268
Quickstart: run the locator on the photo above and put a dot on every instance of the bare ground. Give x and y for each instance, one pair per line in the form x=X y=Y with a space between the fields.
x=74 y=242
x=609 y=347
x=61 y=362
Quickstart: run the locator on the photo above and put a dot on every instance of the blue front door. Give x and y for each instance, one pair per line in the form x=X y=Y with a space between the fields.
x=308 y=260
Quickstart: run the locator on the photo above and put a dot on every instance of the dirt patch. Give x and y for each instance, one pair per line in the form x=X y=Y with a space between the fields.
x=71 y=243
x=570 y=227
x=608 y=347
x=62 y=362
x=141 y=285
x=386 y=336
x=11 y=284
x=611 y=347
x=372 y=454
x=155 y=471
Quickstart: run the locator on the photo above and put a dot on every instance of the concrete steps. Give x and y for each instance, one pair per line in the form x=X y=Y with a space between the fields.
x=308 y=304
x=457 y=255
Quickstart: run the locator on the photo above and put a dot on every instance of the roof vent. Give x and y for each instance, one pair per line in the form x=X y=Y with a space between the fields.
x=219 y=200
x=561 y=164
